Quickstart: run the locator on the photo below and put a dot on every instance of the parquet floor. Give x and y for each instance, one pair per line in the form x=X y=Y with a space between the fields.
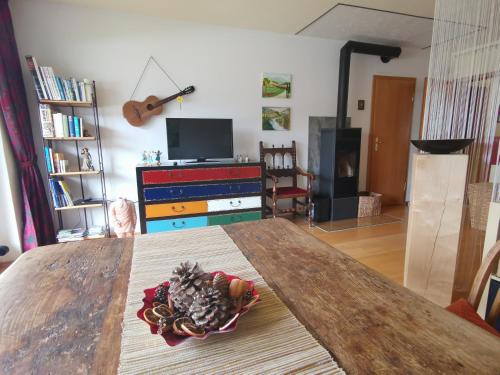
x=380 y=247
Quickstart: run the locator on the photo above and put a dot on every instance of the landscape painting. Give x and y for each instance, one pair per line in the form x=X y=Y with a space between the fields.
x=276 y=85
x=275 y=118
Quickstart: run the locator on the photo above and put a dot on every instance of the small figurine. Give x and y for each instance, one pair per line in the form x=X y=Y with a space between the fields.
x=87 y=160
x=123 y=217
x=150 y=157
x=158 y=157
x=246 y=159
x=240 y=158
x=145 y=157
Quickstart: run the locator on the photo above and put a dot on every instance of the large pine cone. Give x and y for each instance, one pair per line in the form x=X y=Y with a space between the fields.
x=210 y=309
x=187 y=280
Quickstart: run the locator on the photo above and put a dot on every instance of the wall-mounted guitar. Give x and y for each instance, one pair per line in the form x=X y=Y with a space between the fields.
x=137 y=113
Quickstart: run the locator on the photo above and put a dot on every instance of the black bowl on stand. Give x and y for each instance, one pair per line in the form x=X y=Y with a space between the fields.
x=441 y=146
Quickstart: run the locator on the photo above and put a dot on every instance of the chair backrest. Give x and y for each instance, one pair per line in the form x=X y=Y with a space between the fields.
x=278 y=167
x=482 y=277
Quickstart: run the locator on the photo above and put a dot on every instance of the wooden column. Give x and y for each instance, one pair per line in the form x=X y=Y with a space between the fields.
x=434 y=225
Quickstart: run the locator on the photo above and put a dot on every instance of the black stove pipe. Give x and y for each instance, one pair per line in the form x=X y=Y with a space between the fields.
x=386 y=53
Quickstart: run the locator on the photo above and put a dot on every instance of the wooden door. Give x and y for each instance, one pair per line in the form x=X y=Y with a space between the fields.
x=391 y=117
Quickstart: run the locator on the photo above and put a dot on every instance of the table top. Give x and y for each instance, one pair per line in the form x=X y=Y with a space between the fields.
x=62 y=308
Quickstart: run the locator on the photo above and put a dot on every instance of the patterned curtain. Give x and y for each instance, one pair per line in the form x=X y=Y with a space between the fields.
x=38 y=228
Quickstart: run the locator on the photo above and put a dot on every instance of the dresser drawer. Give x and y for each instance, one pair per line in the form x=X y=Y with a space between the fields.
x=238 y=203
x=176 y=209
x=200 y=191
x=234 y=218
x=176 y=224
x=199 y=174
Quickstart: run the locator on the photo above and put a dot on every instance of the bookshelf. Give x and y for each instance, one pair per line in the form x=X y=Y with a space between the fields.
x=70 y=108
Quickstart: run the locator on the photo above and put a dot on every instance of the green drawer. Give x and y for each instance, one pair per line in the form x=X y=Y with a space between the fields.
x=234 y=218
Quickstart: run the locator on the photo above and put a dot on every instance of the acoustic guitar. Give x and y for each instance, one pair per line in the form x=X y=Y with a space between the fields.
x=137 y=113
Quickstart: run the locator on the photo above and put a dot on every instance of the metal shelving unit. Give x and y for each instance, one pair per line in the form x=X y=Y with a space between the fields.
x=49 y=141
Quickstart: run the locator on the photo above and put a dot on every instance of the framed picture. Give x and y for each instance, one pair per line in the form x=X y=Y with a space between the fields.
x=275 y=118
x=276 y=85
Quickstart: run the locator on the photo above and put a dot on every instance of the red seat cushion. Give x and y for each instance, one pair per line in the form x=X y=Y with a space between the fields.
x=463 y=309
x=288 y=191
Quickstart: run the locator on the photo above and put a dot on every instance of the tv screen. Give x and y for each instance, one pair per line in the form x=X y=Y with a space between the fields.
x=200 y=139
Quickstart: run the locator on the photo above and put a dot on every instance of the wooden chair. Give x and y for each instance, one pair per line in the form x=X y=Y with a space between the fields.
x=276 y=171
x=467 y=308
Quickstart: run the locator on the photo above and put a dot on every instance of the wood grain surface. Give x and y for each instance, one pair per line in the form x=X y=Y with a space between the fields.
x=370 y=324
x=61 y=308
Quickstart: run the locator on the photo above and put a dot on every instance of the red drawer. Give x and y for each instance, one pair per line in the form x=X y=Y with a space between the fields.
x=199 y=174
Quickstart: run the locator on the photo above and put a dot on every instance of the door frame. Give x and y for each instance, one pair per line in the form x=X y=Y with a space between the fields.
x=370 y=134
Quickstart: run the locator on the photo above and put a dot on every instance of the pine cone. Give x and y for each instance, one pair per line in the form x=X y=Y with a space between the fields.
x=187 y=280
x=210 y=309
x=221 y=283
x=161 y=294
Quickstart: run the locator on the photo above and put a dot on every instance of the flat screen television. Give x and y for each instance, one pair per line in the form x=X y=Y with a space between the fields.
x=199 y=139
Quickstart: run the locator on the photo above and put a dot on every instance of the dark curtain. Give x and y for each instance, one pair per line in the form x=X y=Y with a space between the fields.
x=38 y=228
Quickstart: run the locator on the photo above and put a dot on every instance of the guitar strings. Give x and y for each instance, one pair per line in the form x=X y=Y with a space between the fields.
x=151 y=58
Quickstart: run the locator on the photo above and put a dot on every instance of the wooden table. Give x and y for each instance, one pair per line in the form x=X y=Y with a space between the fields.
x=62 y=306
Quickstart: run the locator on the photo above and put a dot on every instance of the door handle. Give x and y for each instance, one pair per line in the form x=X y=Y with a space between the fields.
x=377 y=142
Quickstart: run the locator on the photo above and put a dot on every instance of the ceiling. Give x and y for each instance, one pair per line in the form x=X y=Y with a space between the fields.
x=327 y=18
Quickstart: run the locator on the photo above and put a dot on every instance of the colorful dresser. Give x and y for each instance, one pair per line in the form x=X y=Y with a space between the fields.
x=190 y=196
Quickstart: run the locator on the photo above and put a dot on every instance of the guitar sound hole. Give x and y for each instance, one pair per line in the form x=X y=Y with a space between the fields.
x=150 y=107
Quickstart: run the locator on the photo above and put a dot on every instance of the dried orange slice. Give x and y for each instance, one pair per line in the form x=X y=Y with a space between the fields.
x=229 y=322
x=150 y=317
x=177 y=327
x=193 y=330
x=162 y=311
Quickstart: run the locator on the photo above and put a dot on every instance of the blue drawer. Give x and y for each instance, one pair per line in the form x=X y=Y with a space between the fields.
x=176 y=224
x=200 y=191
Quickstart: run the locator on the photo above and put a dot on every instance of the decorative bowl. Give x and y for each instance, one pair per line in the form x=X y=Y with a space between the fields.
x=441 y=146
x=171 y=338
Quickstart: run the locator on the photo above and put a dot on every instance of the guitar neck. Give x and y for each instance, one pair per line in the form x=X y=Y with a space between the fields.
x=166 y=100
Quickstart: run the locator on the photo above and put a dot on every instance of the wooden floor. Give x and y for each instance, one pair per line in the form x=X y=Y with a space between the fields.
x=381 y=247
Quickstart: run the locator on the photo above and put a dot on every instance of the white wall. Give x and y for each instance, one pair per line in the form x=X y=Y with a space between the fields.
x=224 y=64
x=411 y=63
x=10 y=200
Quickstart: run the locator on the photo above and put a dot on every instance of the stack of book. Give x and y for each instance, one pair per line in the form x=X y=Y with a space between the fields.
x=58 y=124
x=78 y=234
x=60 y=193
x=52 y=87
x=68 y=235
x=55 y=161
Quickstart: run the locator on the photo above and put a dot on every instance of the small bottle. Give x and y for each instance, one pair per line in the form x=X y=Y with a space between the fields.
x=246 y=159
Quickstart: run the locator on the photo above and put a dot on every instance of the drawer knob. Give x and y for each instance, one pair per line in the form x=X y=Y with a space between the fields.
x=235 y=204
x=182 y=208
x=183 y=224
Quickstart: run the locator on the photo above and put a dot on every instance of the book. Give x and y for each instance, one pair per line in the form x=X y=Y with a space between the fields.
x=46 y=77
x=75 y=89
x=81 y=87
x=33 y=68
x=54 y=193
x=71 y=125
x=76 y=121
x=80 y=126
x=46 y=120
x=53 y=82
x=66 y=193
x=60 y=88
x=88 y=89
x=65 y=125
x=58 y=124
x=48 y=159
x=51 y=156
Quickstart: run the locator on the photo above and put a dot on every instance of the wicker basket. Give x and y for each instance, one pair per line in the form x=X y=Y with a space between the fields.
x=370 y=205
x=479 y=195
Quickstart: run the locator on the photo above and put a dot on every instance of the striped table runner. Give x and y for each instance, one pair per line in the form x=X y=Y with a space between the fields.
x=269 y=339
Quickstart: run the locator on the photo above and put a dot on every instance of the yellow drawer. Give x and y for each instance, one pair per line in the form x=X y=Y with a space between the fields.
x=176 y=209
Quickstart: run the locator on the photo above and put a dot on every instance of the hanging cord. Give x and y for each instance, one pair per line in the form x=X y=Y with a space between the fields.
x=151 y=58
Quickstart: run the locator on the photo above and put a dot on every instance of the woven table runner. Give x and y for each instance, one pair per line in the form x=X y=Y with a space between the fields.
x=269 y=339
